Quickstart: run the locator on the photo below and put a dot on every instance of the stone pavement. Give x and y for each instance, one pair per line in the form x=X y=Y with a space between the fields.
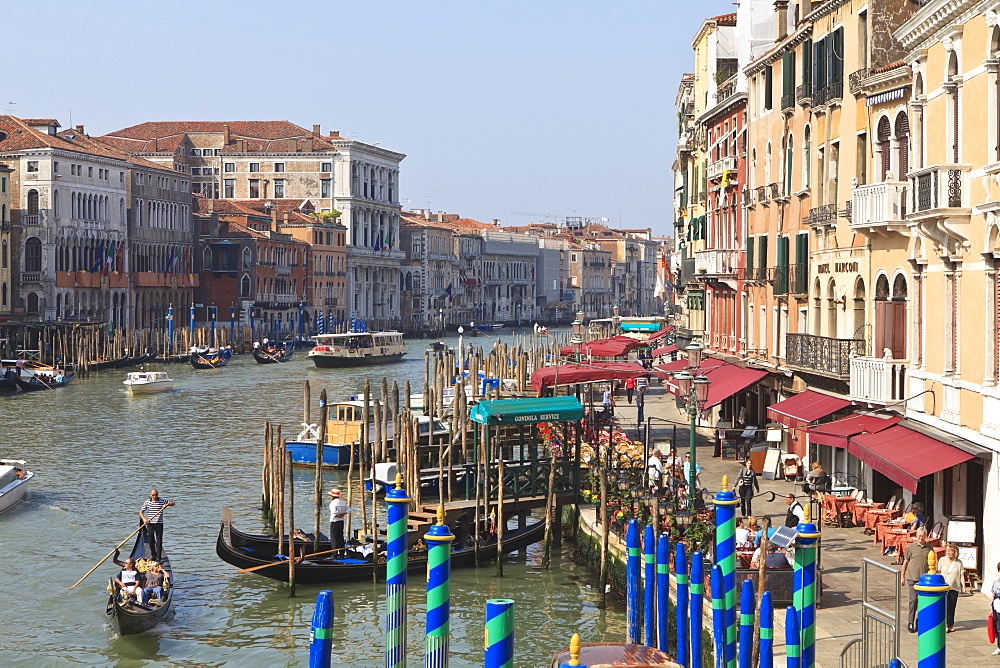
x=839 y=615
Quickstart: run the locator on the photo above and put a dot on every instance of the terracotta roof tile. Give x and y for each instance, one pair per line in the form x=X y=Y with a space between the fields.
x=265 y=130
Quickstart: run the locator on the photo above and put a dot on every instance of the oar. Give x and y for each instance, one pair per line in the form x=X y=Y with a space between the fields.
x=42 y=382
x=277 y=563
x=141 y=526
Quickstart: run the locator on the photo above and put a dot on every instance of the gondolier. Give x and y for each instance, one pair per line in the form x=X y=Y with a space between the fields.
x=151 y=515
x=339 y=510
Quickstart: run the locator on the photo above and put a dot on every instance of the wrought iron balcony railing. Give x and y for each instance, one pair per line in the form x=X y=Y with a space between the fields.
x=855 y=80
x=803 y=93
x=788 y=101
x=939 y=187
x=823 y=214
x=822 y=355
x=790 y=279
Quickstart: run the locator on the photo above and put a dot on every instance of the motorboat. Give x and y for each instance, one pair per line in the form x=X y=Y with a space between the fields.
x=357 y=349
x=148 y=382
x=14 y=477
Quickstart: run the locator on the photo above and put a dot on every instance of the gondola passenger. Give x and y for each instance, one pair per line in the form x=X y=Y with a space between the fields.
x=130 y=582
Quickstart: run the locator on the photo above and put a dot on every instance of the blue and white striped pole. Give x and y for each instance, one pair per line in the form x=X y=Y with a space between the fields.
x=766 y=631
x=695 y=610
x=633 y=592
x=211 y=314
x=649 y=555
x=681 y=575
x=191 y=323
x=663 y=592
x=747 y=605
x=321 y=637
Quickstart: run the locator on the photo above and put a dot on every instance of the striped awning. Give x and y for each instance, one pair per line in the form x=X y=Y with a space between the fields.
x=887 y=96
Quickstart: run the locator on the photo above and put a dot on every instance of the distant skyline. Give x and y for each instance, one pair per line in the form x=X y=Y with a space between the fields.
x=561 y=108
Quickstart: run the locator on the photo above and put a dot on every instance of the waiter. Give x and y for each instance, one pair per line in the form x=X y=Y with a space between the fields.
x=795 y=513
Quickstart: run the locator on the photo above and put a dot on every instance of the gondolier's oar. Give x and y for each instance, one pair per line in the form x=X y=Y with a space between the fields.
x=298 y=560
x=269 y=355
x=141 y=527
x=42 y=382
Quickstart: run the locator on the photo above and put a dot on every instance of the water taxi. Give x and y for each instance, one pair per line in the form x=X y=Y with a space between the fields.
x=147 y=382
x=357 y=349
x=14 y=477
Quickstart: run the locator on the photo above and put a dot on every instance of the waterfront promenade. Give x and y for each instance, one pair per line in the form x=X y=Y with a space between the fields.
x=839 y=616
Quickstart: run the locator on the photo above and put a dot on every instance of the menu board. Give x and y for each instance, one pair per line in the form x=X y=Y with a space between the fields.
x=771 y=463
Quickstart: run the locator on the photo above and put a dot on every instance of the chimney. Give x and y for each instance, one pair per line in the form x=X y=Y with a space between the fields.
x=316 y=132
x=284 y=218
x=79 y=129
x=439 y=218
x=496 y=221
x=225 y=135
x=781 y=19
x=427 y=214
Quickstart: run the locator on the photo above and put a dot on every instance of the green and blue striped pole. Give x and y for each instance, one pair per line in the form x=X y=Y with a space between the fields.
x=718 y=616
x=695 y=609
x=792 y=638
x=663 y=592
x=321 y=638
x=766 y=631
x=804 y=592
x=574 y=654
x=747 y=604
x=438 y=623
x=725 y=555
x=931 y=593
x=499 y=633
x=681 y=575
x=398 y=507
x=649 y=556
x=633 y=593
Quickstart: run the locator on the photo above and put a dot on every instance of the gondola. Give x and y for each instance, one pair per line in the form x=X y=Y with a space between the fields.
x=274 y=354
x=121 y=362
x=247 y=550
x=167 y=358
x=133 y=618
x=35 y=383
x=210 y=358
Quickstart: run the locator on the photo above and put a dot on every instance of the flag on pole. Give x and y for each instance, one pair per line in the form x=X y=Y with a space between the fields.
x=100 y=259
x=451 y=293
x=107 y=259
x=170 y=260
x=120 y=259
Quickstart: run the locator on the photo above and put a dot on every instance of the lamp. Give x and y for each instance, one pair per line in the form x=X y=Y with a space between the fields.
x=701 y=384
x=684 y=380
x=694 y=354
x=684 y=517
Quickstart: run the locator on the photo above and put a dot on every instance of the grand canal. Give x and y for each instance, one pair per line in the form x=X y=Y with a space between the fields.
x=96 y=452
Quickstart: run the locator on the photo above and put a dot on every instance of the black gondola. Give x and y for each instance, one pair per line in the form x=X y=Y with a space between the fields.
x=36 y=383
x=133 y=618
x=210 y=358
x=172 y=359
x=248 y=550
x=268 y=354
x=121 y=362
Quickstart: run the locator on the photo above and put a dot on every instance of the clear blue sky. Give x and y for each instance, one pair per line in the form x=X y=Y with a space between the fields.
x=552 y=107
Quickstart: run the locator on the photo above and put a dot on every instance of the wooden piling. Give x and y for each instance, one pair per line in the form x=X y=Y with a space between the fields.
x=292 y=551
x=324 y=413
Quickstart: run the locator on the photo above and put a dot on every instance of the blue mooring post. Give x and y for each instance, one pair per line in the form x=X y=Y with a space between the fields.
x=766 y=631
x=253 y=312
x=695 y=609
x=792 y=640
x=663 y=591
x=719 y=616
x=232 y=323
x=747 y=604
x=302 y=307
x=633 y=592
x=211 y=314
x=191 y=324
x=170 y=329
x=681 y=574
x=321 y=638
x=649 y=555
x=499 y=633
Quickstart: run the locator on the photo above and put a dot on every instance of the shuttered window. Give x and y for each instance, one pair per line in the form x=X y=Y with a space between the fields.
x=787 y=74
x=750 y=257
x=768 y=86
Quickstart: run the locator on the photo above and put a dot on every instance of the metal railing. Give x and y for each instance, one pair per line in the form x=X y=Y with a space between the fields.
x=753 y=274
x=803 y=93
x=856 y=79
x=788 y=101
x=747 y=197
x=822 y=355
x=762 y=194
x=939 y=186
x=833 y=91
x=823 y=214
x=879 y=641
x=790 y=279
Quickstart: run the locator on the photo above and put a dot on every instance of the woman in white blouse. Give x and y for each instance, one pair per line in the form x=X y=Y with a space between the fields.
x=953 y=571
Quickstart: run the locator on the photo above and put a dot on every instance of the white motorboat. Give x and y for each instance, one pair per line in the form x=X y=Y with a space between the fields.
x=148 y=382
x=357 y=349
x=14 y=477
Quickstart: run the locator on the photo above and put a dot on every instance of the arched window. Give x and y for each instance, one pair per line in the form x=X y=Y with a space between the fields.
x=31 y=305
x=884 y=134
x=206 y=259
x=247 y=258
x=789 y=152
x=952 y=86
x=890 y=318
x=409 y=282
x=831 y=306
x=33 y=203
x=33 y=254
x=859 y=310
x=245 y=286
x=3 y=294
x=767 y=165
x=806 y=157
x=3 y=256
x=903 y=146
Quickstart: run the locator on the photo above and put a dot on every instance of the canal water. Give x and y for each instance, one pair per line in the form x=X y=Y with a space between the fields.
x=97 y=451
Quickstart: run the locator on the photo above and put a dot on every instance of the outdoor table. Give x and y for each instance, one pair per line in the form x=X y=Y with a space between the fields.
x=835 y=505
x=898 y=539
x=861 y=511
x=744 y=558
x=883 y=528
x=875 y=516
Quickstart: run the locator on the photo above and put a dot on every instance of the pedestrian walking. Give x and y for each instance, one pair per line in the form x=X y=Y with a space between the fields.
x=994 y=596
x=640 y=404
x=746 y=487
x=952 y=570
x=629 y=389
x=914 y=565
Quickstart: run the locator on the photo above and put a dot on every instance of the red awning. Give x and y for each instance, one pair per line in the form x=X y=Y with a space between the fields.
x=569 y=374
x=660 y=334
x=905 y=456
x=616 y=346
x=804 y=408
x=728 y=379
x=667 y=371
x=665 y=350
x=837 y=433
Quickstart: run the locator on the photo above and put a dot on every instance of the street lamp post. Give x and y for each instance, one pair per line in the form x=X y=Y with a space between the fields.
x=577 y=339
x=441 y=320
x=695 y=391
x=461 y=351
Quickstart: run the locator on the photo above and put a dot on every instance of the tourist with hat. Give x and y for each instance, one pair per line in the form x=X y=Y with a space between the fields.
x=338 y=511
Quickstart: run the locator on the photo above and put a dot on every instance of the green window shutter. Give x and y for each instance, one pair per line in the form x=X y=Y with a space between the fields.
x=768 y=85
x=807 y=57
x=837 y=56
x=782 y=252
x=788 y=73
x=762 y=253
x=781 y=267
x=802 y=249
x=750 y=257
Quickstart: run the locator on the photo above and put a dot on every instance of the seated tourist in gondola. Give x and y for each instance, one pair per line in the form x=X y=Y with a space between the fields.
x=129 y=581
x=156 y=581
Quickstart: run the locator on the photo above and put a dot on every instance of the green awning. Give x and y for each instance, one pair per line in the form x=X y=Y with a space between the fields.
x=527 y=411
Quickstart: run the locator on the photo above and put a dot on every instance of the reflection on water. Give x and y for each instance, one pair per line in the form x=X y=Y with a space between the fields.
x=97 y=451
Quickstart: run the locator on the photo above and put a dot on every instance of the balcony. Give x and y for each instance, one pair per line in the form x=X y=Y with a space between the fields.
x=878 y=381
x=790 y=279
x=939 y=187
x=879 y=208
x=820 y=215
x=716 y=169
x=716 y=262
x=752 y=274
x=788 y=102
x=330 y=301
x=856 y=80
x=832 y=92
x=31 y=277
x=283 y=271
x=821 y=355
x=803 y=94
x=762 y=195
x=30 y=219
x=747 y=197
x=775 y=190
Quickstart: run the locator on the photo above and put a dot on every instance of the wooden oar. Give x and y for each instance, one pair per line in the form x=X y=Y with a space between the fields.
x=43 y=383
x=141 y=527
x=278 y=563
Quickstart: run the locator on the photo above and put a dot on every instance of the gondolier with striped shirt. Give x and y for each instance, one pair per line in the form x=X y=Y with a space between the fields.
x=151 y=515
